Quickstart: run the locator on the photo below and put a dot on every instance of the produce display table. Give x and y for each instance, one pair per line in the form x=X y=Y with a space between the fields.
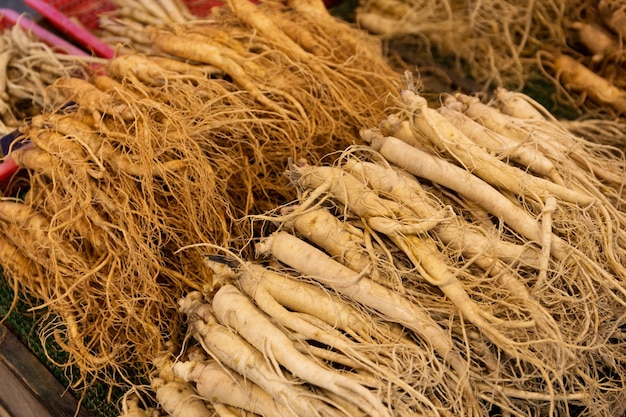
x=28 y=388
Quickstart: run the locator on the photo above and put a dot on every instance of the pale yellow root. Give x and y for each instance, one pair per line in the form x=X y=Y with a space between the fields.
x=363 y=359
x=473 y=243
x=393 y=306
x=422 y=252
x=427 y=166
x=336 y=237
x=218 y=386
x=239 y=313
x=179 y=398
x=578 y=77
x=232 y=351
x=90 y=97
x=597 y=39
x=209 y=54
x=519 y=105
x=445 y=136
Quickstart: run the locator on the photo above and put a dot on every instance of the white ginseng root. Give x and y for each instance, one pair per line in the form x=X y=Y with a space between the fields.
x=393 y=306
x=337 y=237
x=338 y=348
x=425 y=165
x=347 y=243
x=524 y=154
x=231 y=350
x=236 y=311
x=218 y=386
x=444 y=135
x=179 y=398
x=423 y=253
x=296 y=295
x=472 y=242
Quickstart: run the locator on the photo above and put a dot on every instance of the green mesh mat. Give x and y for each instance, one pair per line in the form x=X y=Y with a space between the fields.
x=25 y=325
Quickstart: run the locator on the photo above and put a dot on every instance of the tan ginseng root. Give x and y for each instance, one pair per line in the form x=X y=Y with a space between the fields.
x=18 y=268
x=599 y=40
x=156 y=175
x=315 y=22
x=134 y=405
x=507 y=277
x=343 y=241
x=132 y=191
x=125 y=35
x=88 y=96
x=263 y=94
x=509 y=211
x=156 y=71
x=577 y=77
x=591 y=165
x=600 y=163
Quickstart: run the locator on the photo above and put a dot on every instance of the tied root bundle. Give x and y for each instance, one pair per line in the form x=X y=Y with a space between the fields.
x=27 y=67
x=469 y=262
x=171 y=149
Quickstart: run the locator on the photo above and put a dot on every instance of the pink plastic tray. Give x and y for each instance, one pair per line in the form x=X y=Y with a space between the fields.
x=10 y=18
x=62 y=14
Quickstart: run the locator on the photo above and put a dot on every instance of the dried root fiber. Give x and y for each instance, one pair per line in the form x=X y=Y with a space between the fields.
x=171 y=149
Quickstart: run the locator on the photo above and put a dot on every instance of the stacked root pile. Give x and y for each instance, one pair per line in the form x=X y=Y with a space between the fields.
x=123 y=27
x=574 y=45
x=27 y=67
x=469 y=262
x=168 y=150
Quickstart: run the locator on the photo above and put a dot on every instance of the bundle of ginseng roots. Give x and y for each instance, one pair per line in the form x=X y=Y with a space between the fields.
x=122 y=28
x=570 y=49
x=27 y=67
x=169 y=150
x=468 y=262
